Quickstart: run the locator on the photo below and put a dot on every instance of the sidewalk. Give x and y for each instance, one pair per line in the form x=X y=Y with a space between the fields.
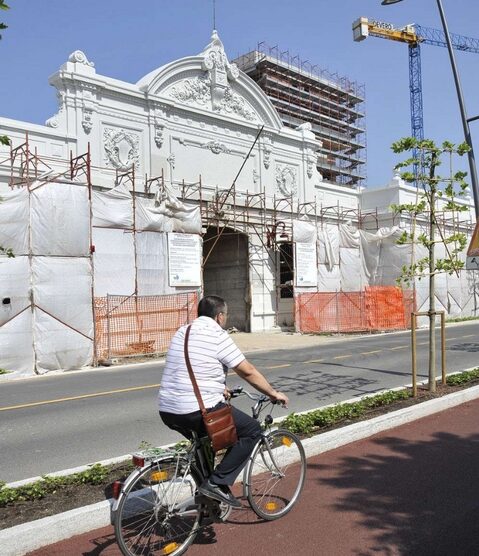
x=412 y=491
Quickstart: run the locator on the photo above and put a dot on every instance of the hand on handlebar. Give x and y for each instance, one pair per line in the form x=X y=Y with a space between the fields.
x=280 y=398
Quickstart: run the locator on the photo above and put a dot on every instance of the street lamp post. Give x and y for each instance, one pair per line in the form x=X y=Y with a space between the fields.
x=465 y=120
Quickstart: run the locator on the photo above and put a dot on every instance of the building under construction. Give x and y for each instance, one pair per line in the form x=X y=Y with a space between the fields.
x=334 y=105
x=135 y=199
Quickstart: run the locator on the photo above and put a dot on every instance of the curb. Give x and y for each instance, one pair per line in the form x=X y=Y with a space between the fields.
x=26 y=537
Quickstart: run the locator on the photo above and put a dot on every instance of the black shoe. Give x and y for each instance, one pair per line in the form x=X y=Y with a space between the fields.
x=217 y=493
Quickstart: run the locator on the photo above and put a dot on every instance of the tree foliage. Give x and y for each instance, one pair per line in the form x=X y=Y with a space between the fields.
x=437 y=194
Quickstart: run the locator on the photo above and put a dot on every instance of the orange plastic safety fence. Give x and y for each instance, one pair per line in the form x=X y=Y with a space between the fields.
x=375 y=308
x=140 y=325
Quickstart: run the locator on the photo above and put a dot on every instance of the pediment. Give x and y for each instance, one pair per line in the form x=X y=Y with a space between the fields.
x=210 y=82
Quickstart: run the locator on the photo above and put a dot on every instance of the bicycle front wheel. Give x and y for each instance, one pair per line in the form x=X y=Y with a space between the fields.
x=157 y=513
x=274 y=476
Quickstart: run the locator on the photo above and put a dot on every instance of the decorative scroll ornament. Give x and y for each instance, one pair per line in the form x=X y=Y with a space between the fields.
x=80 y=58
x=159 y=129
x=216 y=147
x=121 y=148
x=266 y=156
x=286 y=180
x=54 y=121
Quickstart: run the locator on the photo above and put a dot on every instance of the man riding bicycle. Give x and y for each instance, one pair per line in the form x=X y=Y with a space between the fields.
x=212 y=352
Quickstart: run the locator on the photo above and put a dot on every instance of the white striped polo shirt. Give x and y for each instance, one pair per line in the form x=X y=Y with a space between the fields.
x=212 y=352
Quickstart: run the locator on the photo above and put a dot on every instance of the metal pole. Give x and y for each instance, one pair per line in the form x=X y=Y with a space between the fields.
x=465 y=122
x=413 y=353
x=443 y=347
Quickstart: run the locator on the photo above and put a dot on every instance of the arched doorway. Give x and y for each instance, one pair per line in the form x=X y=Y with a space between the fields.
x=226 y=273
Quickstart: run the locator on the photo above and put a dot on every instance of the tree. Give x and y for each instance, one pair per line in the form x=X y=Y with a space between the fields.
x=4 y=140
x=437 y=198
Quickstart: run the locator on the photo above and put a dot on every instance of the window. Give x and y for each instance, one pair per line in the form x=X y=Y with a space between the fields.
x=286 y=270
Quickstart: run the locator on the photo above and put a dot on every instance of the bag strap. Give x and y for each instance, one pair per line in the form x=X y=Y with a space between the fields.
x=192 y=376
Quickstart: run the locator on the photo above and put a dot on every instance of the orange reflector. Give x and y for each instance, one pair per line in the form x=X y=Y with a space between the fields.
x=159 y=476
x=270 y=506
x=169 y=548
x=287 y=441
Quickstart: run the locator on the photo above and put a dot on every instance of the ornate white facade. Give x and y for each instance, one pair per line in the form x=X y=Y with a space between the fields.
x=195 y=116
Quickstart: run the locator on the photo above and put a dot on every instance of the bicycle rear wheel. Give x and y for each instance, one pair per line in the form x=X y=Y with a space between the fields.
x=274 y=476
x=157 y=513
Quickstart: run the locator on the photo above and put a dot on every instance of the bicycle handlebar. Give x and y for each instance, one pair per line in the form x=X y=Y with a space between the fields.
x=260 y=399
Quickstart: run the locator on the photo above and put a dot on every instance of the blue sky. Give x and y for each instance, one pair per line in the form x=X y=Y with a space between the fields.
x=128 y=39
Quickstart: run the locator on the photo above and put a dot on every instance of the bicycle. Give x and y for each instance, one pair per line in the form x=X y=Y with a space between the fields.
x=158 y=509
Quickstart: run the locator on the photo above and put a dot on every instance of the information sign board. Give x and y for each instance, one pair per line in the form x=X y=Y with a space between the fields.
x=184 y=259
x=306 y=264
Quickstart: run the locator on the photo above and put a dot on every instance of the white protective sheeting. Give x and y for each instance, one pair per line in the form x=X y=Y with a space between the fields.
x=152 y=264
x=14 y=221
x=113 y=208
x=59 y=347
x=329 y=279
x=60 y=220
x=304 y=232
x=14 y=284
x=185 y=219
x=328 y=246
x=16 y=346
x=148 y=218
x=470 y=289
x=348 y=236
x=455 y=294
x=351 y=269
x=113 y=262
x=63 y=323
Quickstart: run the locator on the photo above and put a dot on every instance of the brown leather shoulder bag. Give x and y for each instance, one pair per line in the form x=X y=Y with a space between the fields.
x=219 y=423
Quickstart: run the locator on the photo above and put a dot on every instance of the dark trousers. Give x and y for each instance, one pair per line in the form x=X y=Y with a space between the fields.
x=247 y=429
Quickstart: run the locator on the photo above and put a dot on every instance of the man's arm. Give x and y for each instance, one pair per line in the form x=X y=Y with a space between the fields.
x=250 y=373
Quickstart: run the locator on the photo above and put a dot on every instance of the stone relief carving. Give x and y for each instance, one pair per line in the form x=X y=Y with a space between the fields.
x=195 y=90
x=159 y=130
x=266 y=157
x=171 y=160
x=216 y=63
x=311 y=159
x=121 y=148
x=80 y=58
x=255 y=176
x=286 y=179
x=216 y=147
x=87 y=120
x=213 y=88
x=234 y=103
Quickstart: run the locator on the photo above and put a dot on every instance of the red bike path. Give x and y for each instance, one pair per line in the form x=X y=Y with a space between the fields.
x=412 y=490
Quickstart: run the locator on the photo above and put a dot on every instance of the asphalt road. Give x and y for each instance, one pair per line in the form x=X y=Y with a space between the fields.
x=51 y=423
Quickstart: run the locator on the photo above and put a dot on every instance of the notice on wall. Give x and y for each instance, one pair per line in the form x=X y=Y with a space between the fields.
x=184 y=259
x=306 y=264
